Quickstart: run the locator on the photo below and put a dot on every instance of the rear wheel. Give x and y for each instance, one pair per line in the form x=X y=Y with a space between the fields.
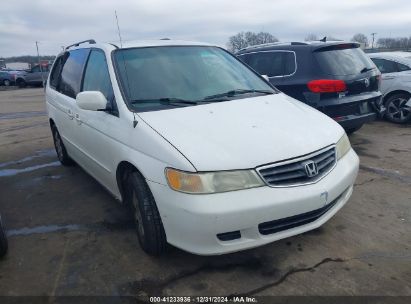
x=60 y=148
x=21 y=83
x=6 y=82
x=397 y=111
x=150 y=229
x=3 y=241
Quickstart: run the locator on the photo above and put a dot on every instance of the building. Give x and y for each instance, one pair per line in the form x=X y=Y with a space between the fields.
x=17 y=65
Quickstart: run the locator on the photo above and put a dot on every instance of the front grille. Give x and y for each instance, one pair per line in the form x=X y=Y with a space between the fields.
x=296 y=220
x=293 y=172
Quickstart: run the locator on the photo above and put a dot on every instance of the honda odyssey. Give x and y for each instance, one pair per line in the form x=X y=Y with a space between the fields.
x=210 y=157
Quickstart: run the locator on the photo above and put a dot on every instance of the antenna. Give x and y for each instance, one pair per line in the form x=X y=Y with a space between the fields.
x=118 y=28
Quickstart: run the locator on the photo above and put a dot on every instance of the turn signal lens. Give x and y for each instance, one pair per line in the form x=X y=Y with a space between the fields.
x=343 y=146
x=212 y=182
x=327 y=86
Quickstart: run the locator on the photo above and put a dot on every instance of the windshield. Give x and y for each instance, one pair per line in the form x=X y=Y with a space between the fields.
x=176 y=74
x=342 y=62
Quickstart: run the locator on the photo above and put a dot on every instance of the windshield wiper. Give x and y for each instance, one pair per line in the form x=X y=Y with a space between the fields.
x=365 y=69
x=233 y=93
x=166 y=101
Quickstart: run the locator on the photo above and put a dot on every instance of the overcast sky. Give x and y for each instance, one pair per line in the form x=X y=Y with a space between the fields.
x=55 y=23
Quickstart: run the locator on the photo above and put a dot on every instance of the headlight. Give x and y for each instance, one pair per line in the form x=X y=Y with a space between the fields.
x=343 y=146
x=212 y=182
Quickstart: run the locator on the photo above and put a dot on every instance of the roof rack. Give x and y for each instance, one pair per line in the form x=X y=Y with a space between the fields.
x=90 y=41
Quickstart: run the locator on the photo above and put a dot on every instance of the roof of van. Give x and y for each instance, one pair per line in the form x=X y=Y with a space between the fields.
x=160 y=42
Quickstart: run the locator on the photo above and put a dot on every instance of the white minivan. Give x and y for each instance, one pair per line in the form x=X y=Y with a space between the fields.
x=210 y=156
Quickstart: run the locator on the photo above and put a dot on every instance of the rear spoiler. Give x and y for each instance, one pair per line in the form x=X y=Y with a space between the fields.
x=336 y=46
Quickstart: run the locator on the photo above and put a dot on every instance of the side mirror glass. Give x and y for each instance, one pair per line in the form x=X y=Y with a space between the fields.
x=266 y=78
x=91 y=100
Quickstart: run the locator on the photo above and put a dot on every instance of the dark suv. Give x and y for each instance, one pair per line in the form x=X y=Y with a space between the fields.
x=336 y=78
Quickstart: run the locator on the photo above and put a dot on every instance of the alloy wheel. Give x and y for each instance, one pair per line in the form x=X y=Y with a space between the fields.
x=397 y=110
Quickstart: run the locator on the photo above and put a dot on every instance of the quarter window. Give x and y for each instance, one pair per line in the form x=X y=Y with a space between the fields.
x=97 y=77
x=403 y=67
x=72 y=72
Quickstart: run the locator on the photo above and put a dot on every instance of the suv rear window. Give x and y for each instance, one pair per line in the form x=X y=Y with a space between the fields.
x=271 y=63
x=339 y=61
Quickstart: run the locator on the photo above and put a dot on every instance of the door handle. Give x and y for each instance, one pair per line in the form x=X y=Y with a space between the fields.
x=70 y=114
x=78 y=118
x=388 y=77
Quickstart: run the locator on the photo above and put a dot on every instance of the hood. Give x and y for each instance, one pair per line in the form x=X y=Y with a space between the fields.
x=244 y=133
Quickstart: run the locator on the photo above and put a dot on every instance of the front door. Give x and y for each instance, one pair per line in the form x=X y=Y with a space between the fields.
x=96 y=130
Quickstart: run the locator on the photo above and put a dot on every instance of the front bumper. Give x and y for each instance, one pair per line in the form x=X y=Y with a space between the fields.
x=192 y=222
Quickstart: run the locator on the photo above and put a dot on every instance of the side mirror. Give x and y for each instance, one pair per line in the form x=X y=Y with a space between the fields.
x=91 y=100
x=266 y=78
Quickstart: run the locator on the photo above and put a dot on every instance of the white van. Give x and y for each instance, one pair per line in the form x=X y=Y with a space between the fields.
x=212 y=158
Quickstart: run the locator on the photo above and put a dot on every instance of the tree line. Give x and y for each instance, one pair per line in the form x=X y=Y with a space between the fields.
x=26 y=58
x=245 y=39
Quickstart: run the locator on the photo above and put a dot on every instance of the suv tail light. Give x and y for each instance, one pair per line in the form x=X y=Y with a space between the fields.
x=327 y=86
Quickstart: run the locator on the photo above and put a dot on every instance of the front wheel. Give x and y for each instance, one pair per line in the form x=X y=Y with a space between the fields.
x=397 y=111
x=150 y=229
x=3 y=241
x=6 y=82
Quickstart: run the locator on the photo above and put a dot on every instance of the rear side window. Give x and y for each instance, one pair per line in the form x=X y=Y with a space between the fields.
x=339 y=61
x=271 y=63
x=70 y=80
x=55 y=73
x=96 y=76
x=385 y=66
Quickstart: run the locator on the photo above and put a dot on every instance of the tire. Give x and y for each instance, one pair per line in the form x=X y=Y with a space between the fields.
x=61 y=151
x=21 y=83
x=397 y=112
x=6 y=82
x=352 y=130
x=3 y=241
x=149 y=227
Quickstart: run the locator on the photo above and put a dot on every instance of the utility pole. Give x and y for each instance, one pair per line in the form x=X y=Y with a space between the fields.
x=38 y=59
x=373 y=37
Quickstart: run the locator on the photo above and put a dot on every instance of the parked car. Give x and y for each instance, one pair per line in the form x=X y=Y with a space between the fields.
x=396 y=83
x=6 y=78
x=3 y=240
x=336 y=77
x=211 y=158
x=36 y=76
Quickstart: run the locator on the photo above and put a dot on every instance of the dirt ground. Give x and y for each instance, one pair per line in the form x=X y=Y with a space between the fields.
x=68 y=236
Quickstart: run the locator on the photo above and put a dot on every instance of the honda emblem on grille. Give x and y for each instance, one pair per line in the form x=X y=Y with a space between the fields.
x=311 y=168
